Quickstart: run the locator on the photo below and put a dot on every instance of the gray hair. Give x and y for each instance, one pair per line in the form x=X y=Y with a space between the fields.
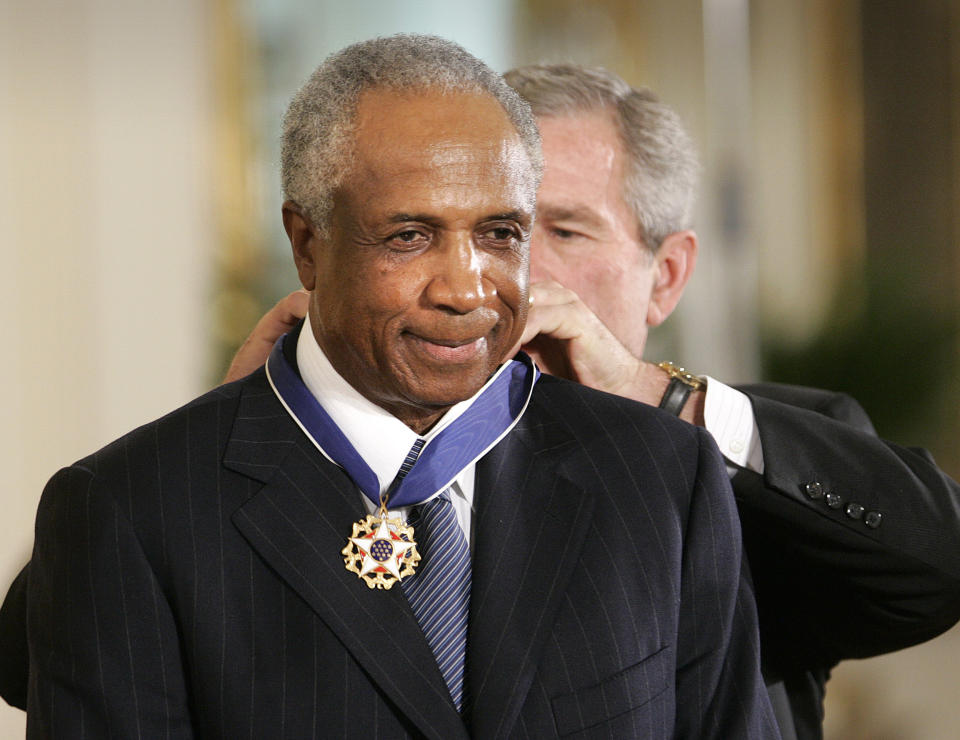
x=318 y=125
x=661 y=179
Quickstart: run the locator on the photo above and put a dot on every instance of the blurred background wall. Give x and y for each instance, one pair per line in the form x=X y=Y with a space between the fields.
x=105 y=236
x=139 y=217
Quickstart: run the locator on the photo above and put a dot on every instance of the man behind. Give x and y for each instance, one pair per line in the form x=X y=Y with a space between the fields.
x=851 y=540
x=190 y=578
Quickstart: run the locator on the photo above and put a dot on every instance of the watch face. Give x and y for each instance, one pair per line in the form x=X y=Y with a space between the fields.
x=675 y=371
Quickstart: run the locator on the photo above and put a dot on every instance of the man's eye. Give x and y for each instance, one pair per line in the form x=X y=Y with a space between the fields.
x=408 y=237
x=564 y=233
x=501 y=234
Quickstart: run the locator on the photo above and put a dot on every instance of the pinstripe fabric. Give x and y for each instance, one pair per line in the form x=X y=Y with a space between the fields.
x=584 y=638
x=410 y=459
x=439 y=592
x=774 y=511
x=187 y=581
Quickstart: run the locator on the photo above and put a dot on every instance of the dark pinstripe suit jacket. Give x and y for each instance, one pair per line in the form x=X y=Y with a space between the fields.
x=828 y=585
x=187 y=581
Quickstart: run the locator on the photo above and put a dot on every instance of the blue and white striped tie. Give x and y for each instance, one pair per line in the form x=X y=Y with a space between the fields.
x=439 y=592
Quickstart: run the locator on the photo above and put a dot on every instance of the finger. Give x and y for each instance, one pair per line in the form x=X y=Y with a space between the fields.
x=293 y=307
x=550 y=293
x=559 y=321
x=282 y=317
x=275 y=323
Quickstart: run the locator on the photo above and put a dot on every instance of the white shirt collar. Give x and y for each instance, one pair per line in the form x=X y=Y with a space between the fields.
x=380 y=438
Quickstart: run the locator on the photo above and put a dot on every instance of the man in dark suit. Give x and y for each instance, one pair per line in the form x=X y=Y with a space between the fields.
x=852 y=540
x=200 y=576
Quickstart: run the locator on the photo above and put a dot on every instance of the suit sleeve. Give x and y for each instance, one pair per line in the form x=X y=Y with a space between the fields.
x=718 y=657
x=13 y=643
x=852 y=540
x=104 y=655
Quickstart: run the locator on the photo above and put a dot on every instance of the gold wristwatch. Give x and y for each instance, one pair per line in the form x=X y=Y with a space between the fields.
x=679 y=388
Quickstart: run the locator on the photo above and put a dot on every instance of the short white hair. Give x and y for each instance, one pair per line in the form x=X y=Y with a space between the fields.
x=318 y=125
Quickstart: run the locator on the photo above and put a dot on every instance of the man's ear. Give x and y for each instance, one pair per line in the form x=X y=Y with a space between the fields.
x=675 y=260
x=302 y=241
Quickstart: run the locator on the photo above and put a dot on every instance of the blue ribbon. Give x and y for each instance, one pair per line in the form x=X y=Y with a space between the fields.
x=491 y=415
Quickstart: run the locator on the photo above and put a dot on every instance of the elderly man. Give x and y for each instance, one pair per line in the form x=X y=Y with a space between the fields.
x=393 y=529
x=852 y=539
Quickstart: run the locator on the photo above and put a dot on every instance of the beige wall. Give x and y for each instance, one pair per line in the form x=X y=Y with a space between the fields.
x=103 y=233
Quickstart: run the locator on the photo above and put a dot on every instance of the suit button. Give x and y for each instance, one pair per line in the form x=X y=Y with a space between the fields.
x=813 y=490
x=834 y=501
x=854 y=511
x=873 y=519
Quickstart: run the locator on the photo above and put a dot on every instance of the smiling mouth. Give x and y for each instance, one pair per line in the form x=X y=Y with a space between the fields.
x=451 y=350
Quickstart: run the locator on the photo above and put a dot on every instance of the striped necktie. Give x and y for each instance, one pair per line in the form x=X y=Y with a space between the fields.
x=439 y=592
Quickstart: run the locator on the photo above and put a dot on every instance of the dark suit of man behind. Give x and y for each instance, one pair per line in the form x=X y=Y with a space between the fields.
x=188 y=579
x=851 y=540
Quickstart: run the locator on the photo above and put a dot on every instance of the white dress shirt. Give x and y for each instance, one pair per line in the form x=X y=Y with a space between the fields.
x=380 y=438
x=728 y=416
x=383 y=441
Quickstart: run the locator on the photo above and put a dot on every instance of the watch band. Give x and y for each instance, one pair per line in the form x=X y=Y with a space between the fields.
x=675 y=397
x=679 y=388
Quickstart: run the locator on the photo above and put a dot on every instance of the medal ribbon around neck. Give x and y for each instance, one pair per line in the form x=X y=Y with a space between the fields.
x=386 y=551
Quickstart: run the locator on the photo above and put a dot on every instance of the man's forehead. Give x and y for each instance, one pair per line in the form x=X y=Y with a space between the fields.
x=426 y=113
x=421 y=146
x=583 y=167
x=398 y=124
x=440 y=195
x=580 y=135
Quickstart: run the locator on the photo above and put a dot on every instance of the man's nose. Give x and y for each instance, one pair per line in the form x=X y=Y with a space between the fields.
x=457 y=283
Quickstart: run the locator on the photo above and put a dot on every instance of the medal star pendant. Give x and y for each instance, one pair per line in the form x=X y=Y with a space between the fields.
x=381 y=551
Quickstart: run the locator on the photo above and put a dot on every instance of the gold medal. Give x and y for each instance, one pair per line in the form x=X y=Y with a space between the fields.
x=381 y=550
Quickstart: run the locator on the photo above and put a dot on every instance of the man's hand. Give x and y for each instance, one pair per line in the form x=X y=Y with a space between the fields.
x=566 y=339
x=277 y=321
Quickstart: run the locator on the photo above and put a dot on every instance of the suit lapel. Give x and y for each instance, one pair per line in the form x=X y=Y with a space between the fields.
x=298 y=523
x=531 y=524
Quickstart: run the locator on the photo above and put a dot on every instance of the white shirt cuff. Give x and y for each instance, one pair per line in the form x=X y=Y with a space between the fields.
x=728 y=416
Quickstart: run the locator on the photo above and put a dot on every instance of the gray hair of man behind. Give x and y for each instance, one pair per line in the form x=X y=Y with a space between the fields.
x=661 y=179
x=318 y=125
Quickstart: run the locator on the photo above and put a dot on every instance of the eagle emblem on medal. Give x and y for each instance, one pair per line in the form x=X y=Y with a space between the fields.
x=381 y=551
